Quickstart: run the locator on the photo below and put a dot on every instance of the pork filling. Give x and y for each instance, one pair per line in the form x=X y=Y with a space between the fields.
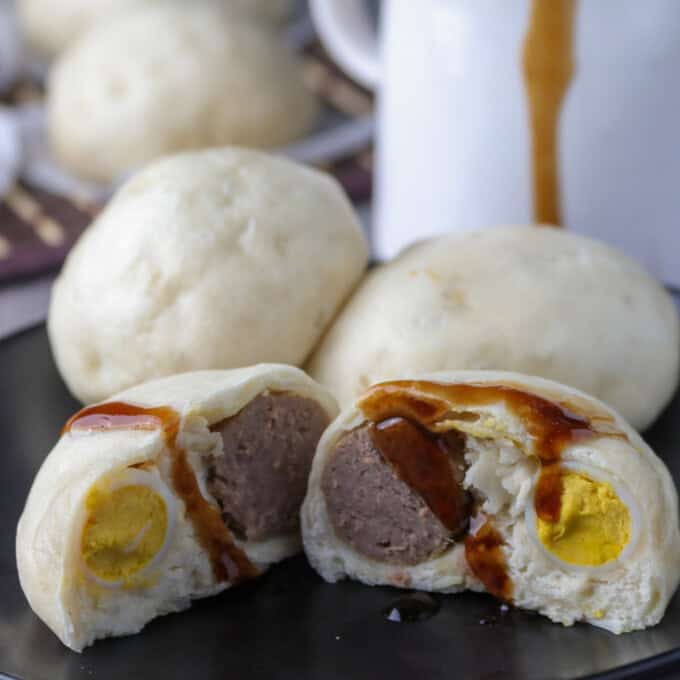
x=261 y=479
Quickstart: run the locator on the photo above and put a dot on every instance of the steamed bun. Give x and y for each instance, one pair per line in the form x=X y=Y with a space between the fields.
x=539 y=301
x=169 y=76
x=522 y=487
x=51 y=26
x=212 y=259
x=125 y=522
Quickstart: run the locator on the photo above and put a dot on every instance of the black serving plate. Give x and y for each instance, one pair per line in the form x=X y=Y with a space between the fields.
x=290 y=624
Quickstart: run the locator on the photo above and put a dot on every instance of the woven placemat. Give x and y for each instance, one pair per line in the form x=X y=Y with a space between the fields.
x=37 y=227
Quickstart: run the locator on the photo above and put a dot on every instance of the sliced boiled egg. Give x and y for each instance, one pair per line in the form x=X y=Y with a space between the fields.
x=598 y=524
x=128 y=523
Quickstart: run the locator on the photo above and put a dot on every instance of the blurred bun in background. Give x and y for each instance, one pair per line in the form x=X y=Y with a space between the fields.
x=272 y=11
x=50 y=26
x=169 y=76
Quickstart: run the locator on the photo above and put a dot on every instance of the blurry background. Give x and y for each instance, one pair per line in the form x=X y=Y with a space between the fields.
x=455 y=123
x=44 y=207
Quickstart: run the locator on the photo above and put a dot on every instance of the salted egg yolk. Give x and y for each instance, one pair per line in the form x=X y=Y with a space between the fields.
x=594 y=524
x=124 y=530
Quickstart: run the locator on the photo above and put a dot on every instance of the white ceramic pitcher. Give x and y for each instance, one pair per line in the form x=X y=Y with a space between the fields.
x=453 y=148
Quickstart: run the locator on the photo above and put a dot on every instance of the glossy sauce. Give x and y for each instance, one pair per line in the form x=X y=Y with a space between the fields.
x=118 y=415
x=548 y=493
x=484 y=555
x=428 y=473
x=412 y=608
x=229 y=562
x=548 y=65
x=551 y=425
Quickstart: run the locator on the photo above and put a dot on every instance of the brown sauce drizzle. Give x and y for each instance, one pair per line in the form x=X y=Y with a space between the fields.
x=551 y=425
x=229 y=562
x=548 y=64
x=485 y=557
x=118 y=415
x=428 y=473
x=548 y=493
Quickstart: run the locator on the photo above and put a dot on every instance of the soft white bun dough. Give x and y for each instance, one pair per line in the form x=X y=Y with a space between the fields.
x=50 y=26
x=534 y=300
x=629 y=594
x=214 y=259
x=51 y=571
x=168 y=76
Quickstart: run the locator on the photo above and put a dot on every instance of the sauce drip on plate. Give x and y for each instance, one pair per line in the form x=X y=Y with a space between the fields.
x=412 y=608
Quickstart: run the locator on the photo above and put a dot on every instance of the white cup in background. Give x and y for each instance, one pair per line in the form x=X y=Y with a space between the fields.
x=453 y=147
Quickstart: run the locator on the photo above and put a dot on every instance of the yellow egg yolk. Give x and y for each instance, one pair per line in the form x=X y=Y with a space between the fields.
x=594 y=524
x=124 y=530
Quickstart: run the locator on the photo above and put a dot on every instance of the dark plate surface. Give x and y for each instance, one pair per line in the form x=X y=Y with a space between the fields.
x=290 y=624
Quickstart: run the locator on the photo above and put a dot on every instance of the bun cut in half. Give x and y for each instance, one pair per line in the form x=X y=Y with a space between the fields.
x=173 y=490
x=496 y=481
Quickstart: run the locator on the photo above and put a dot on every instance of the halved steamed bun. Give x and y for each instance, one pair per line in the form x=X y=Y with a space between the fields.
x=172 y=490
x=496 y=481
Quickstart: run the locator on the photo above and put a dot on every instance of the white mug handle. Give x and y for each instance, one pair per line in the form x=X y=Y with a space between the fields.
x=346 y=31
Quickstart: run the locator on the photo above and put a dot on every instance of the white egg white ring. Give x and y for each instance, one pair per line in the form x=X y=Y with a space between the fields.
x=136 y=477
x=624 y=495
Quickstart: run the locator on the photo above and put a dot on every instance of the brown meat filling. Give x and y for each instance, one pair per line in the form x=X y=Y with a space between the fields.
x=261 y=479
x=377 y=513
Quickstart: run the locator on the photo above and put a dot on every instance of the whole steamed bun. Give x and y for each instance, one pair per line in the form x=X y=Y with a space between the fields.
x=538 y=301
x=50 y=26
x=172 y=76
x=212 y=259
